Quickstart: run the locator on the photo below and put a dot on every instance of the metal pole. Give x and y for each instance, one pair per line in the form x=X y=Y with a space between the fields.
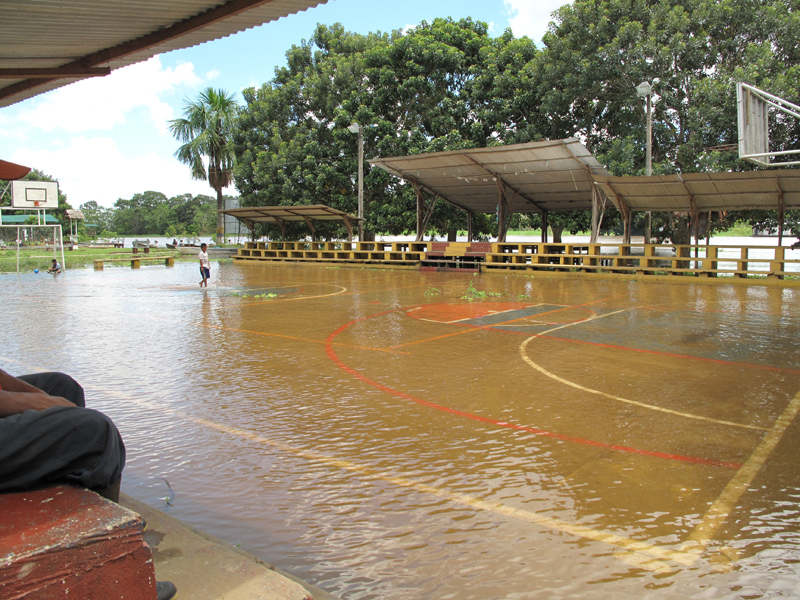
x=360 y=184
x=649 y=167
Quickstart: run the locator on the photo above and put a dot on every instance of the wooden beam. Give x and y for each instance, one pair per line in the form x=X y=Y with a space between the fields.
x=511 y=187
x=181 y=28
x=310 y=224
x=349 y=226
x=59 y=72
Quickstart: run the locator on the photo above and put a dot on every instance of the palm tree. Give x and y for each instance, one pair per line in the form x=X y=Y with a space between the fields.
x=205 y=131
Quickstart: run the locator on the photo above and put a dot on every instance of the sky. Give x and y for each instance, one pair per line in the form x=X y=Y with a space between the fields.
x=107 y=138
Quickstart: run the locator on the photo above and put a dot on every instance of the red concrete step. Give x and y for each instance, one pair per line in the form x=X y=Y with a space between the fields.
x=66 y=542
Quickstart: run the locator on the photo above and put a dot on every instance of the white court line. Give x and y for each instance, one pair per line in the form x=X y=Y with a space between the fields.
x=523 y=353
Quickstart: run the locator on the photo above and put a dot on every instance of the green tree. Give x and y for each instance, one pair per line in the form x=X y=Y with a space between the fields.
x=693 y=52
x=205 y=131
x=439 y=86
x=100 y=216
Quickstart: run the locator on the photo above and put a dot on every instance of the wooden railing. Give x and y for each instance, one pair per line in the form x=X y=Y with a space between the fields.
x=649 y=259
x=645 y=259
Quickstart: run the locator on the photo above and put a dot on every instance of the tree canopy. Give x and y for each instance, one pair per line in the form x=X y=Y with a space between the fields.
x=448 y=85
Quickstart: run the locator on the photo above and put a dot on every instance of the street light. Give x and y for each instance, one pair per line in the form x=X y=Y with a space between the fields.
x=645 y=90
x=356 y=128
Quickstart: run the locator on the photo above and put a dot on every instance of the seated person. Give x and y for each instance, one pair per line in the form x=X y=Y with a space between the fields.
x=55 y=267
x=47 y=436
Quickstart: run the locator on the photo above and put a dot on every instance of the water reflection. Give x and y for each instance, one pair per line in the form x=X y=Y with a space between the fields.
x=375 y=433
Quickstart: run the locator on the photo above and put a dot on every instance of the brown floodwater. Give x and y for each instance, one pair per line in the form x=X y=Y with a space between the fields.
x=379 y=434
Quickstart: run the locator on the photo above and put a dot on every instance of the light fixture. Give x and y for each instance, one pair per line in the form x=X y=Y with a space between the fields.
x=643 y=89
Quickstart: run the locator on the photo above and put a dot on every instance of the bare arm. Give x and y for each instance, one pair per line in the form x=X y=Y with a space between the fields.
x=17 y=396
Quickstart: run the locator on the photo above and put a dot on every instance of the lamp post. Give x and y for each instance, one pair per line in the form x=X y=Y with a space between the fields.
x=356 y=128
x=645 y=90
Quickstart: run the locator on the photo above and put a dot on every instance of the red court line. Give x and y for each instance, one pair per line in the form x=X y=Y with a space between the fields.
x=586 y=442
x=686 y=356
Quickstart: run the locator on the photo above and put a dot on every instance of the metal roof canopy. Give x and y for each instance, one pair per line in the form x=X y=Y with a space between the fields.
x=45 y=45
x=545 y=176
x=553 y=175
x=750 y=190
x=704 y=192
x=281 y=215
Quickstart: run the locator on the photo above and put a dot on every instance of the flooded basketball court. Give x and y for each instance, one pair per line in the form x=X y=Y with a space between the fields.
x=415 y=435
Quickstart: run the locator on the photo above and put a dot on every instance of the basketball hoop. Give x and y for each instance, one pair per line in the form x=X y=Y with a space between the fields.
x=753 y=107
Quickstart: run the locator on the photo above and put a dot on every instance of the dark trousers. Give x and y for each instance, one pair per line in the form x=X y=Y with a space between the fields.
x=76 y=445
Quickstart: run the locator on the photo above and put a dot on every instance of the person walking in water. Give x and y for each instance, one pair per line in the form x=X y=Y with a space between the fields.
x=205 y=265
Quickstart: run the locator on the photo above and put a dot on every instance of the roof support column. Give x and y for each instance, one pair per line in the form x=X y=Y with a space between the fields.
x=349 y=227
x=627 y=217
x=502 y=210
x=595 y=215
x=423 y=215
x=469 y=227
x=251 y=226
x=282 y=224
x=545 y=225
x=310 y=224
x=781 y=215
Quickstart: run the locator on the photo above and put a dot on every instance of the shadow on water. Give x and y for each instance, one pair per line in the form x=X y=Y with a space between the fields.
x=380 y=435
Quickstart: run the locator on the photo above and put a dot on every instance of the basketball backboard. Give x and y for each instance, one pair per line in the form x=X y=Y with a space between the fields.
x=753 y=107
x=34 y=194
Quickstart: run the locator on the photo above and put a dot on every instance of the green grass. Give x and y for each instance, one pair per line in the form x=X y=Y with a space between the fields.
x=40 y=258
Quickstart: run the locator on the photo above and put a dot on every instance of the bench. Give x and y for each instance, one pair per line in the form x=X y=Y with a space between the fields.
x=66 y=542
x=135 y=261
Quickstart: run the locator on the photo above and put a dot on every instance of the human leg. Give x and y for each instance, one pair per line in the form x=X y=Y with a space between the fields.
x=68 y=445
x=57 y=384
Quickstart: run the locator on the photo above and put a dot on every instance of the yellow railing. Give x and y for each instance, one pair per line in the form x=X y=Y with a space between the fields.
x=651 y=259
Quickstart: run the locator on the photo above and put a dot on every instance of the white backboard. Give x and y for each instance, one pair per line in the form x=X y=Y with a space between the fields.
x=753 y=123
x=34 y=194
x=753 y=107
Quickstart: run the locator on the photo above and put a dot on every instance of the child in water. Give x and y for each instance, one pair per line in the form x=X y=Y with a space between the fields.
x=55 y=268
x=205 y=266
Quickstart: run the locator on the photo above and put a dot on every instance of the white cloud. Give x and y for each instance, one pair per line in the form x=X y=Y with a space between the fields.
x=103 y=103
x=531 y=18
x=106 y=138
x=94 y=168
x=212 y=74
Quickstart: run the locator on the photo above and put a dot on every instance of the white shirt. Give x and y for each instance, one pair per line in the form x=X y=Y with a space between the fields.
x=203 y=256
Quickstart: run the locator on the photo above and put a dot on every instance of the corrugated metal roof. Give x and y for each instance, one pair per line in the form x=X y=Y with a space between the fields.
x=39 y=34
x=553 y=175
x=275 y=214
x=708 y=191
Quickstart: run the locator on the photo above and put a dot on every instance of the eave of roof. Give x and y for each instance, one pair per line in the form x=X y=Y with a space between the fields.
x=45 y=45
x=749 y=190
x=275 y=214
x=551 y=175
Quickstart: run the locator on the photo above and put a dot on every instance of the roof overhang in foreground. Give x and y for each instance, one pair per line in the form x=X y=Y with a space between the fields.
x=12 y=171
x=280 y=215
x=689 y=192
x=552 y=175
x=45 y=44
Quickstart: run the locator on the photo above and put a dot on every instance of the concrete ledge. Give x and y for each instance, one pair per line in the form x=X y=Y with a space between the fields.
x=66 y=542
x=206 y=568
